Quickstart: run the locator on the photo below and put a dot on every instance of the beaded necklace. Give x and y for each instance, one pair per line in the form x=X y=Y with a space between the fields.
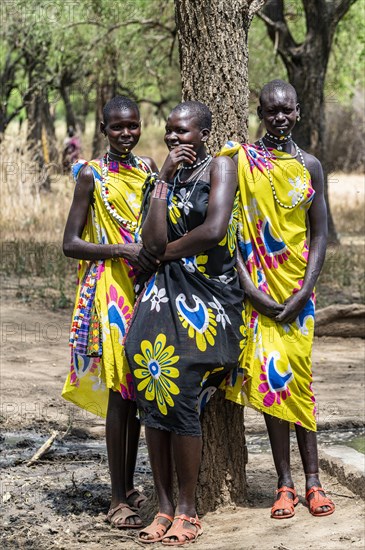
x=266 y=154
x=278 y=141
x=133 y=161
x=193 y=166
x=192 y=178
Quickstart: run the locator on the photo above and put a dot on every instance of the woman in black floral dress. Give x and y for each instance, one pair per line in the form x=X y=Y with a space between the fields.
x=187 y=331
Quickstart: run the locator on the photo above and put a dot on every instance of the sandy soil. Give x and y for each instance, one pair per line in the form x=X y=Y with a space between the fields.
x=60 y=502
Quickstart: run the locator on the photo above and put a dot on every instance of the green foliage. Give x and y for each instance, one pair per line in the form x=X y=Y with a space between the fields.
x=345 y=72
x=131 y=45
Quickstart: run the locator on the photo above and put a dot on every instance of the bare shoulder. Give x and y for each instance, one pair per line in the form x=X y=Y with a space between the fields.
x=224 y=170
x=222 y=162
x=85 y=182
x=151 y=163
x=315 y=169
x=311 y=162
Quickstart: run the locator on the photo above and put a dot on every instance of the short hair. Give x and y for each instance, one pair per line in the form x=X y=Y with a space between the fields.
x=277 y=84
x=198 y=110
x=121 y=103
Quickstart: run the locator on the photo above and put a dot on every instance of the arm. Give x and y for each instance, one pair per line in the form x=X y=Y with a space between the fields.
x=317 y=216
x=155 y=224
x=262 y=302
x=223 y=181
x=75 y=247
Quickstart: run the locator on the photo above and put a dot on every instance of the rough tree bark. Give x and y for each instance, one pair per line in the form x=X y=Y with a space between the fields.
x=213 y=60
x=306 y=65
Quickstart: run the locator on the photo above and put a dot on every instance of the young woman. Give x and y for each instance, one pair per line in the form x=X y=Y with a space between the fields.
x=100 y=231
x=281 y=189
x=187 y=330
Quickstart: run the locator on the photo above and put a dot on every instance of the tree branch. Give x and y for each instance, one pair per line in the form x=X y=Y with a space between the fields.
x=273 y=16
x=339 y=9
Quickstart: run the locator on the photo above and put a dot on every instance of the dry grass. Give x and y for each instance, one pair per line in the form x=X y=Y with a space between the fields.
x=32 y=224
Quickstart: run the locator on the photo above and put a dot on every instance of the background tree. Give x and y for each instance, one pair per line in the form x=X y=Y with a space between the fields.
x=214 y=69
x=306 y=62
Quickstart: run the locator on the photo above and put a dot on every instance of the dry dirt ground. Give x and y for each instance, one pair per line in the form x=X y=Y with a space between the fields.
x=60 y=502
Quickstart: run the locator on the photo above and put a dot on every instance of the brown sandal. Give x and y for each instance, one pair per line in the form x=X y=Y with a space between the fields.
x=157 y=529
x=285 y=503
x=137 y=497
x=184 y=535
x=318 y=501
x=119 y=519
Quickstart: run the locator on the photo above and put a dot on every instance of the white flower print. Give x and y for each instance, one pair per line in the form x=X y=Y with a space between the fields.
x=297 y=190
x=221 y=316
x=159 y=298
x=252 y=210
x=189 y=263
x=132 y=201
x=183 y=200
x=98 y=384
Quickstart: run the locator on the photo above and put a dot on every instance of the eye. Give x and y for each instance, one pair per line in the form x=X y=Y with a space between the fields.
x=134 y=126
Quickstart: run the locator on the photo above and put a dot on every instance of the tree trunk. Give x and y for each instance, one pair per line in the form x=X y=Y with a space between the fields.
x=36 y=144
x=222 y=478
x=49 y=132
x=213 y=60
x=70 y=115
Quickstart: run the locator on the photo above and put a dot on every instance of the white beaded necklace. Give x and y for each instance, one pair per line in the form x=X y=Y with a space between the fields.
x=193 y=166
x=266 y=154
x=128 y=224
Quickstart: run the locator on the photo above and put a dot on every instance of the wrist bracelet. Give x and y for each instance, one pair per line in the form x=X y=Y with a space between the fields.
x=160 y=190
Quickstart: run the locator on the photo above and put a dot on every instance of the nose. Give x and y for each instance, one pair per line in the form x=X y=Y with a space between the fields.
x=125 y=131
x=172 y=139
x=280 y=116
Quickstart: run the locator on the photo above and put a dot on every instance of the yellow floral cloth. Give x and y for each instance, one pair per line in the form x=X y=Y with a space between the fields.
x=275 y=371
x=105 y=290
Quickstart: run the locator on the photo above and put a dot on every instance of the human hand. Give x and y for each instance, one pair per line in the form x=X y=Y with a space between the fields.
x=140 y=258
x=266 y=305
x=183 y=153
x=292 y=306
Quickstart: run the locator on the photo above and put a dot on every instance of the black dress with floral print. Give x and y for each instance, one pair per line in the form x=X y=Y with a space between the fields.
x=187 y=330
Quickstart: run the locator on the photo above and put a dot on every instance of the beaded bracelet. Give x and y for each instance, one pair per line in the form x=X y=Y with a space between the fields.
x=160 y=190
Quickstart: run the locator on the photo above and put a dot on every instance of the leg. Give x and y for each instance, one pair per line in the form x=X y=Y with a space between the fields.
x=133 y=432
x=159 y=450
x=280 y=446
x=307 y=442
x=116 y=442
x=187 y=456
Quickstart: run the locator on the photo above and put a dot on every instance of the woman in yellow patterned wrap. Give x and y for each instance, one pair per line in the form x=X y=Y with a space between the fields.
x=100 y=231
x=281 y=189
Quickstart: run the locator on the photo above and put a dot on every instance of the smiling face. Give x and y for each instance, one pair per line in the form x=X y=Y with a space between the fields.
x=279 y=110
x=123 y=130
x=183 y=128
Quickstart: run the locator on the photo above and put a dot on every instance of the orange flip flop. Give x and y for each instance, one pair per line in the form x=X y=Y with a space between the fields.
x=285 y=503
x=318 y=501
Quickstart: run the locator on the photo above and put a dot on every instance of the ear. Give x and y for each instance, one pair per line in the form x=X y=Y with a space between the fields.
x=259 y=112
x=102 y=128
x=205 y=133
x=297 y=108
